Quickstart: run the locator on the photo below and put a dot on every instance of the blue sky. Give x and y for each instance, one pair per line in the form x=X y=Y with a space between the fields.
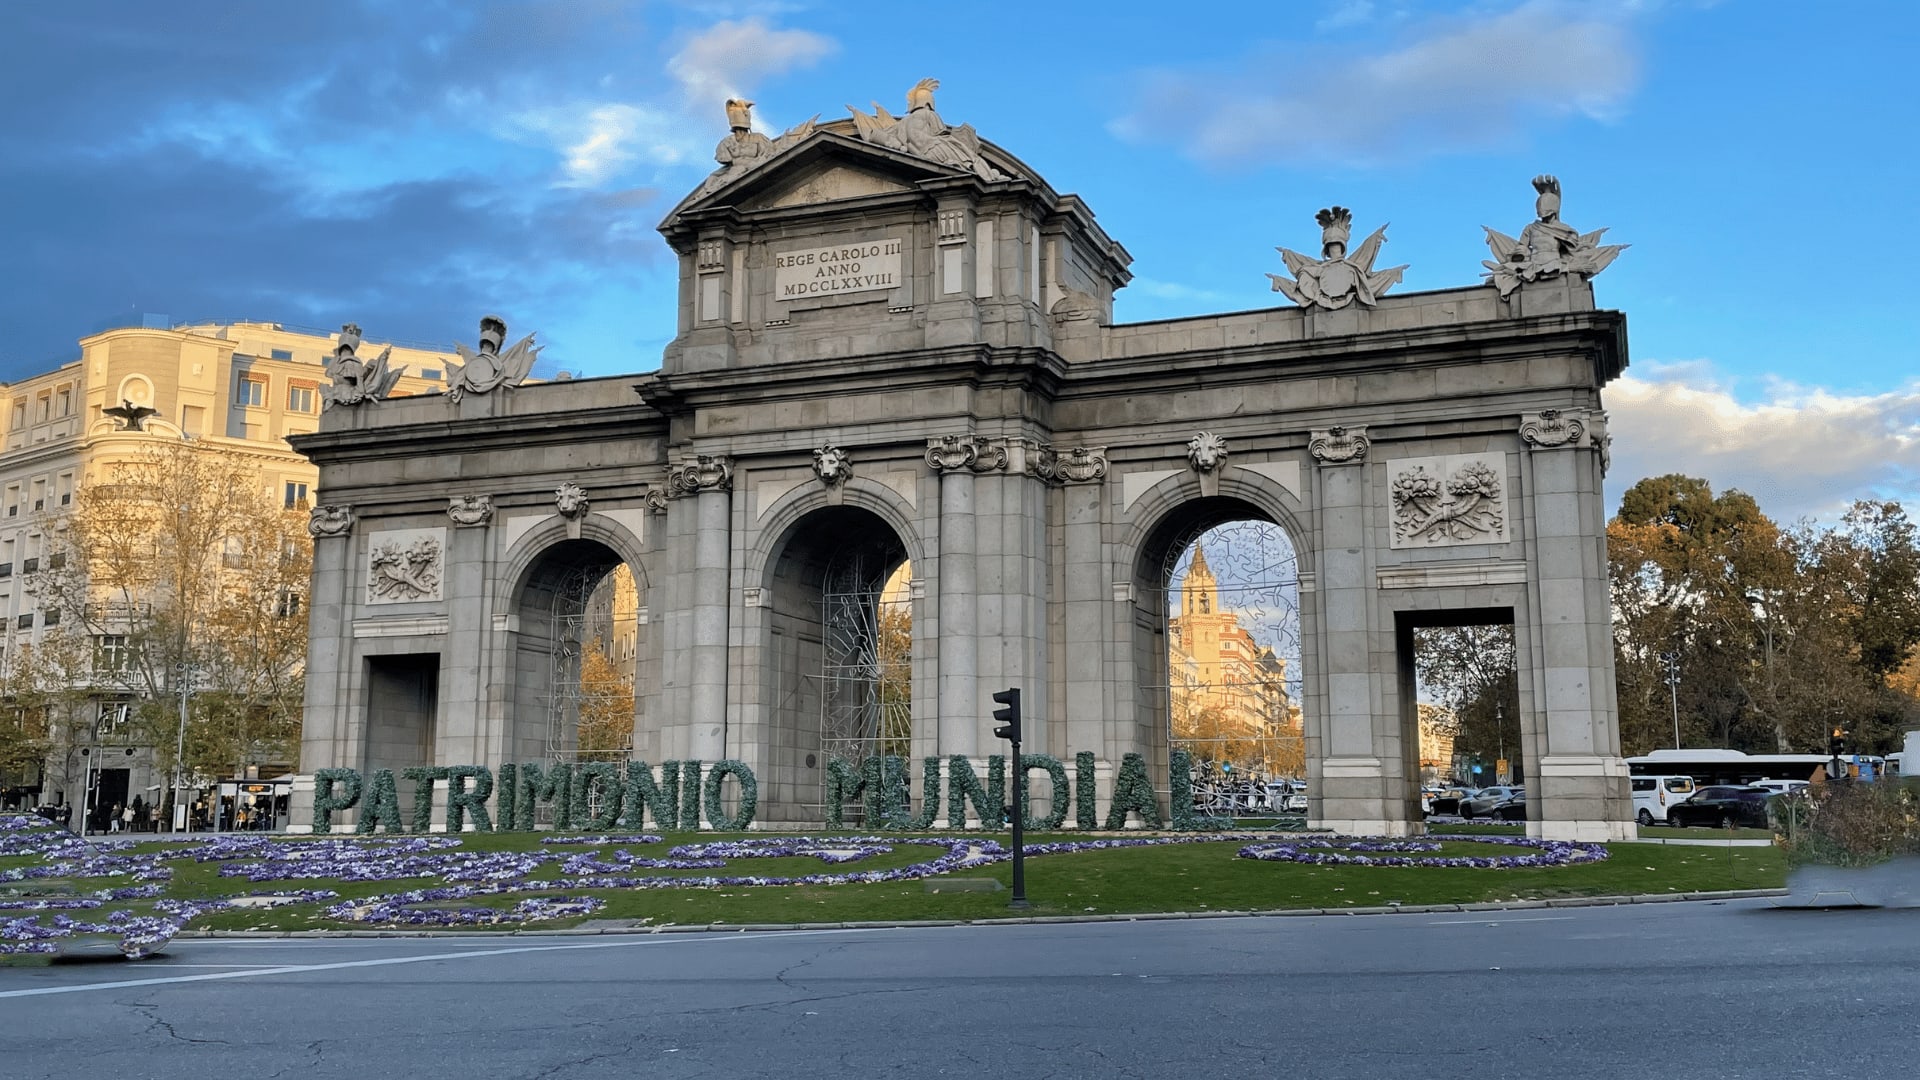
x=409 y=165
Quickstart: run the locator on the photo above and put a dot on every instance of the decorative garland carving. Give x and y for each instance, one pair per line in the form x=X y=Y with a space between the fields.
x=1206 y=452
x=1339 y=445
x=702 y=472
x=1464 y=506
x=467 y=511
x=570 y=499
x=832 y=465
x=1077 y=465
x=400 y=570
x=329 y=520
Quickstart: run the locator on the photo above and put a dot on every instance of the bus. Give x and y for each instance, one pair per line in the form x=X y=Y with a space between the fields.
x=1731 y=766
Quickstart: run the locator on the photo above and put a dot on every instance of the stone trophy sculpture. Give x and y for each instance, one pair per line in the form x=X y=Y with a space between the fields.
x=356 y=380
x=491 y=368
x=1547 y=248
x=1337 y=279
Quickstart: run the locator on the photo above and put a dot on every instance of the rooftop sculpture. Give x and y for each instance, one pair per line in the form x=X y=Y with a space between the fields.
x=356 y=380
x=490 y=368
x=1548 y=247
x=923 y=134
x=745 y=149
x=1336 y=279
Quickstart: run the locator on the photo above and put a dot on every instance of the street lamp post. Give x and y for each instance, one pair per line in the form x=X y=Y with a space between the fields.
x=180 y=751
x=1673 y=692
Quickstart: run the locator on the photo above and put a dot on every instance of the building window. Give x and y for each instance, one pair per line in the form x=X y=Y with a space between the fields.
x=113 y=716
x=25 y=622
x=281 y=354
x=432 y=373
x=111 y=652
x=19 y=412
x=250 y=391
x=65 y=397
x=288 y=604
x=234 y=554
x=299 y=398
x=41 y=404
x=51 y=617
x=296 y=496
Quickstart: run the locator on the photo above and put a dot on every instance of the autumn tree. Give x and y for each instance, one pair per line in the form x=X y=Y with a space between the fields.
x=606 y=705
x=1759 y=637
x=188 y=578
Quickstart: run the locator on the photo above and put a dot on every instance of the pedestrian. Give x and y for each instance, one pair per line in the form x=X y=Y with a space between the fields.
x=113 y=819
x=125 y=823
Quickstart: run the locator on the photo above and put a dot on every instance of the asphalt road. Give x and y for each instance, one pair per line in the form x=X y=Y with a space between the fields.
x=1668 y=991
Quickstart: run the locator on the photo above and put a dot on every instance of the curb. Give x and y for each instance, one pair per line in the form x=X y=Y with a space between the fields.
x=1149 y=916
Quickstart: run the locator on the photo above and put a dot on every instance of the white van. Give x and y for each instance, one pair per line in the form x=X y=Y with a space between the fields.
x=1653 y=794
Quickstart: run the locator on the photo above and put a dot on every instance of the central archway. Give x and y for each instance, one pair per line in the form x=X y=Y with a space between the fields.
x=840 y=671
x=1217 y=647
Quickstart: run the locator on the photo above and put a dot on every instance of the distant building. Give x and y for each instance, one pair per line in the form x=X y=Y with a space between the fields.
x=1438 y=728
x=240 y=388
x=1228 y=693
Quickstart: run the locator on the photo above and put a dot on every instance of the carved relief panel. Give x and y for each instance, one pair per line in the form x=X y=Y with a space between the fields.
x=406 y=565
x=1448 y=501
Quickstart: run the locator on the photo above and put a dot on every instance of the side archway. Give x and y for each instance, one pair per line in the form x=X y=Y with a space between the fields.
x=576 y=650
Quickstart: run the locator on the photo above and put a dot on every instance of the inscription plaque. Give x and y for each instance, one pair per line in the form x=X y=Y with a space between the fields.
x=842 y=268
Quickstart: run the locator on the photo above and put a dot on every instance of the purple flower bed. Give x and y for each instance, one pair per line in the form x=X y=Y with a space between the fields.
x=1359 y=851
x=465 y=875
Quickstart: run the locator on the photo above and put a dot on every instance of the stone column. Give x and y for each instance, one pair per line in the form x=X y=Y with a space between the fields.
x=709 y=481
x=1351 y=779
x=954 y=458
x=466 y=737
x=1579 y=779
x=328 y=739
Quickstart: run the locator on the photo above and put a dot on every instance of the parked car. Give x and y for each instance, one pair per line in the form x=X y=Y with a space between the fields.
x=1480 y=802
x=1512 y=808
x=1784 y=787
x=1652 y=795
x=1722 y=806
x=1448 y=801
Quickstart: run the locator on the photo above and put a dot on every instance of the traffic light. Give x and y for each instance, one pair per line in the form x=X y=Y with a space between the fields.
x=1009 y=717
x=1837 y=742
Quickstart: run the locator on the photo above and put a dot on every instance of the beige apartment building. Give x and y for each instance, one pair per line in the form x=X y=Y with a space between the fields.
x=239 y=387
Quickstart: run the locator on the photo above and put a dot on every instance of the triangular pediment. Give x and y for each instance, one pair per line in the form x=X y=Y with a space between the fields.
x=826 y=167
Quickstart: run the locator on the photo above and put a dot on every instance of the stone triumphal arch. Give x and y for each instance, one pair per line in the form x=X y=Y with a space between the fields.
x=899 y=456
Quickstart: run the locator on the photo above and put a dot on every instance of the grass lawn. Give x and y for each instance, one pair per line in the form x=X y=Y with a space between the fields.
x=1665 y=832
x=1204 y=875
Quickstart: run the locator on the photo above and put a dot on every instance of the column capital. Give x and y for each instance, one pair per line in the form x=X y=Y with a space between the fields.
x=947 y=453
x=701 y=472
x=470 y=511
x=331 y=519
x=1339 y=445
x=1569 y=429
x=1075 y=465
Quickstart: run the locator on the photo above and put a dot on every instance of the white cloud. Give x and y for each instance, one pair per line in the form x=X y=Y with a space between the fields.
x=602 y=142
x=728 y=57
x=1345 y=13
x=597 y=141
x=1801 y=451
x=1461 y=83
